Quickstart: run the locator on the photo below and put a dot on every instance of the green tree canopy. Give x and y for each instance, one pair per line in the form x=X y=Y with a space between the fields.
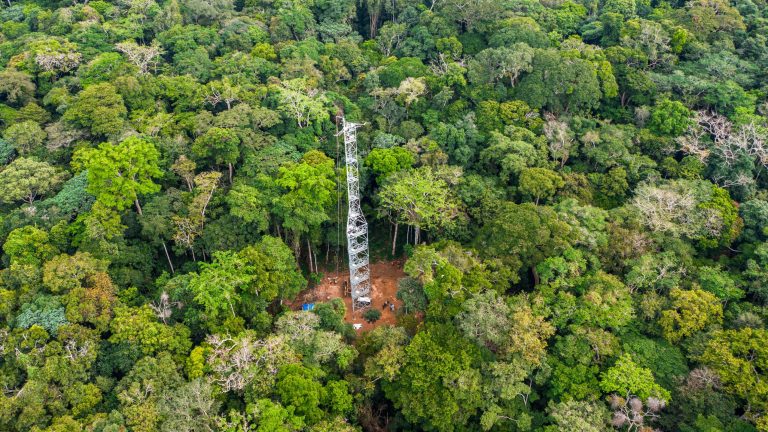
x=119 y=173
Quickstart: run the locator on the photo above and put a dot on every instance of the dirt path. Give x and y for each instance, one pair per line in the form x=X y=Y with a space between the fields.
x=384 y=275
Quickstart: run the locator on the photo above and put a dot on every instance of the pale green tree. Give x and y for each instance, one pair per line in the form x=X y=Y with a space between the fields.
x=119 y=173
x=27 y=179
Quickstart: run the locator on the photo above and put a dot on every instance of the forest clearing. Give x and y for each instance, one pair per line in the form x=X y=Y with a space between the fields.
x=385 y=276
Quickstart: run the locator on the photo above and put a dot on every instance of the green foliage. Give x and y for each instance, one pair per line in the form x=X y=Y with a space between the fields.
x=757 y=273
x=66 y=272
x=118 y=174
x=690 y=312
x=308 y=192
x=575 y=416
x=6 y=152
x=424 y=390
x=372 y=315
x=411 y=293
x=627 y=378
x=297 y=388
x=99 y=109
x=45 y=312
x=577 y=190
x=719 y=282
x=29 y=245
x=221 y=145
x=26 y=137
x=539 y=183
x=670 y=118
x=250 y=204
x=421 y=198
x=384 y=162
x=244 y=283
x=755 y=215
x=738 y=357
x=523 y=235
x=140 y=326
x=27 y=179
x=666 y=361
x=560 y=84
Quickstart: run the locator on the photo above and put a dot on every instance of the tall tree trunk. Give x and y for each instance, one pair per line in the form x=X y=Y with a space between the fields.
x=309 y=255
x=231 y=169
x=416 y=235
x=138 y=207
x=394 y=240
x=168 y=257
x=407 y=234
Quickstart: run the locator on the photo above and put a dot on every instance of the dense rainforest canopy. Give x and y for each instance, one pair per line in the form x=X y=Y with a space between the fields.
x=578 y=189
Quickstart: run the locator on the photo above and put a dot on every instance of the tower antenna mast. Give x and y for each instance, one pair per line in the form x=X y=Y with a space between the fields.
x=357 y=227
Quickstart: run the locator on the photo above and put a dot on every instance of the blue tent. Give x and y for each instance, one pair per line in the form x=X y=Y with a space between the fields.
x=308 y=306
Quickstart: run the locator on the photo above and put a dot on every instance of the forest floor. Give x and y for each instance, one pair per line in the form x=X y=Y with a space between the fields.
x=384 y=277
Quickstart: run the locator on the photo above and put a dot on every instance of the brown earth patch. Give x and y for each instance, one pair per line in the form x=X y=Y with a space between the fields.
x=384 y=277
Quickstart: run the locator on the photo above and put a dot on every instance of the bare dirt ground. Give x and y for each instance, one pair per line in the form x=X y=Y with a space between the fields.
x=384 y=276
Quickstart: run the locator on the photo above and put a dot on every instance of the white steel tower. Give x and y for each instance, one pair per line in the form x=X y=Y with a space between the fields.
x=357 y=227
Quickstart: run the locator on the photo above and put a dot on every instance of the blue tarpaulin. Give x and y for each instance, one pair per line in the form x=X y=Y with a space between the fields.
x=308 y=306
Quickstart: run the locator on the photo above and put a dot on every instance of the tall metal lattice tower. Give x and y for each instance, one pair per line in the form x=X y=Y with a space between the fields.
x=357 y=227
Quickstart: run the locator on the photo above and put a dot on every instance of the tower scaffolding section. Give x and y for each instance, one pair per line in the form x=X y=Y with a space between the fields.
x=357 y=227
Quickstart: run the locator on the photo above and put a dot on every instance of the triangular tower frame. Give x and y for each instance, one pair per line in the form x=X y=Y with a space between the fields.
x=357 y=226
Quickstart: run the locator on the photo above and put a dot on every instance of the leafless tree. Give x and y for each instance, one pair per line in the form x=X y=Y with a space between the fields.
x=142 y=56
x=76 y=351
x=701 y=378
x=51 y=61
x=728 y=142
x=222 y=92
x=164 y=307
x=235 y=362
x=631 y=414
x=664 y=209
x=560 y=138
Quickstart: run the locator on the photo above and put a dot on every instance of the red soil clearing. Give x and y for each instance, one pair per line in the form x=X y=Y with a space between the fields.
x=384 y=277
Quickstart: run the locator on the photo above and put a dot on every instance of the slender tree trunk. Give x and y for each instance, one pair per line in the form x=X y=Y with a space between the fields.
x=407 y=234
x=138 y=207
x=536 y=278
x=309 y=255
x=394 y=240
x=416 y=235
x=231 y=169
x=168 y=257
x=192 y=249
